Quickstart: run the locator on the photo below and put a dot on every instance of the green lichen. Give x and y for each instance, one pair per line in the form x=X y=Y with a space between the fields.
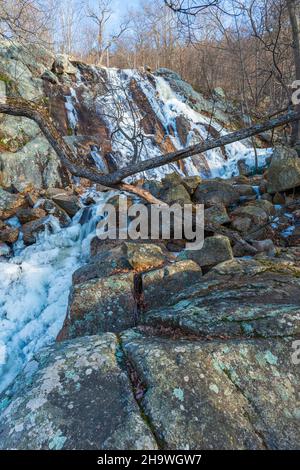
x=57 y=442
x=178 y=393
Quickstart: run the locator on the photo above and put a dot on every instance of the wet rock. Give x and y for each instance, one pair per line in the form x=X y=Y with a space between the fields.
x=215 y=192
x=4 y=249
x=183 y=128
x=240 y=394
x=31 y=229
x=243 y=168
x=9 y=235
x=100 y=305
x=29 y=214
x=284 y=170
x=53 y=209
x=74 y=395
x=215 y=250
x=67 y=202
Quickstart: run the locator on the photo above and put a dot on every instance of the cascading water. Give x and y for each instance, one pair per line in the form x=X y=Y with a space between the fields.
x=35 y=283
x=35 y=286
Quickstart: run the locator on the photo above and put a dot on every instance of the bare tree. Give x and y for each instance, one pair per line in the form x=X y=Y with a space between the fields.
x=100 y=15
x=294 y=14
x=27 y=21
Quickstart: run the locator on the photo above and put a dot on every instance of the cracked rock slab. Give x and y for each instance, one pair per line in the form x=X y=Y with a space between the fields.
x=238 y=394
x=74 y=395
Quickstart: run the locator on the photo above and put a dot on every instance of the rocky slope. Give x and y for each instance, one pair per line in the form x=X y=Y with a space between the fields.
x=156 y=346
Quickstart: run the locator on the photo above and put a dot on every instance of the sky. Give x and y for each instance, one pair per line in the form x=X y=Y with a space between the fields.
x=120 y=8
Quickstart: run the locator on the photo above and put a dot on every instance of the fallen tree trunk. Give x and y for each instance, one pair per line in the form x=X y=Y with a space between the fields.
x=20 y=107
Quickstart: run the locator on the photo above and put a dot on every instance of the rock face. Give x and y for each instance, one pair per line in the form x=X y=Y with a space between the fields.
x=284 y=171
x=74 y=395
x=216 y=395
x=236 y=298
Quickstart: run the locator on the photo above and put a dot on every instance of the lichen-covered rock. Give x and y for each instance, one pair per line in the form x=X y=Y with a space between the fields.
x=239 y=394
x=191 y=183
x=250 y=298
x=284 y=171
x=74 y=395
x=216 y=214
x=35 y=163
x=177 y=193
x=160 y=285
x=144 y=256
x=215 y=250
x=100 y=305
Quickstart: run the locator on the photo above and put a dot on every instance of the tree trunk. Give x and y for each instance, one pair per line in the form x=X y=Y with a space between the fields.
x=294 y=14
x=20 y=107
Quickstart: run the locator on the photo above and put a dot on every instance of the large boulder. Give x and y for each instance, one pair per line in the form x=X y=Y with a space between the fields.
x=215 y=250
x=67 y=202
x=74 y=395
x=100 y=305
x=29 y=214
x=212 y=192
x=236 y=298
x=63 y=65
x=284 y=171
